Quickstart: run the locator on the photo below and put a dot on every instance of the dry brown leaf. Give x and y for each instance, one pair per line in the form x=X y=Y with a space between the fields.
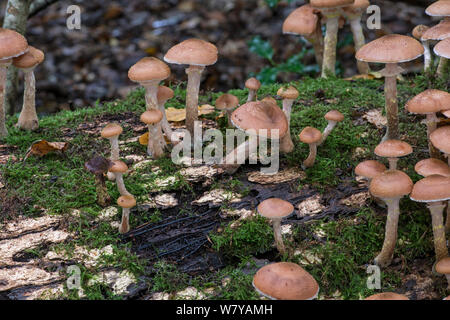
x=280 y=177
x=143 y=140
x=369 y=76
x=177 y=115
x=42 y=147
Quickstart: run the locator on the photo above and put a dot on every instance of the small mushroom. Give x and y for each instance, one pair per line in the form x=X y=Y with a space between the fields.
x=126 y=202
x=369 y=169
x=289 y=95
x=112 y=132
x=118 y=168
x=253 y=86
x=440 y=138
x=438 y=32
x=442 y=49
x=312 y=137
x=276 y=209
x=443 y=267
x=387 y=296
x=28 y=119
x=285 y=281
x=197 y=54
x=99 y=166
x=390 y=186
x=432 y=166
x=152 y=118
x=417 y=33
x=393 y=150
x=164 y=94
x=227 y=102
x=333 y=117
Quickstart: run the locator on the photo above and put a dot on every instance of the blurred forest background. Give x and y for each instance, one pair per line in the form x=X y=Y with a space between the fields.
x=91 y=64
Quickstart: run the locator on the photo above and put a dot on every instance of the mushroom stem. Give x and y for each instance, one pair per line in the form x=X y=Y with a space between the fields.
x=276 y=223
x=3 y=72
x=326 y=132
x=309 y=162
x=154 y=147
x=229 y=112
x=390 y=239
x=443 y=65
x=103 y=198
x=331 y=36
x=194 y=76
x=151 y=94
x=359 y=40
x=114 y=141
x=121 y=185
x=393 y=163
x=437 y=218
x=426 y=55
x=125 y=223
x=447 y=221
x=28 y=118
x=316 y=39
x=286 y=144
x=390 y=73
x=431 y=126
x=239 y=155
x=165 y=125
x=251 y=95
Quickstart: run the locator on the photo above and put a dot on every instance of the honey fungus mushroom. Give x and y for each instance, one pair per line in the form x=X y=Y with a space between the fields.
x=126 y=202
x=227 y=102
x=112 y=132
x=152 y=118
x=253 y=85
x=333 y=117
x=393 y=150
x=99 y=166
x=118 y=168
x=440 y=138
x=312 y=137
x=289 y=95
x=417 y=33
x=442 y=49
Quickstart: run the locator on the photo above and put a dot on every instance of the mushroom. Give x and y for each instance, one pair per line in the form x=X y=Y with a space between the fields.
x=164 y=94
x=28 y=119
x=227 y=102
x=390 y=186
x=353 y=14
x=289 y=95
x=99 y=166
x=13 y=45
x=369 y=169
x=387 y=296
x=438 y=32
x=417 y=34
x=333 y=117
x=285 y=281
x=390 y=50
x=125 y=202
x=434 y=190
x=118 y=168
x=443 y=267
x=253 y=86
x=393 y=150
x=331 y=10
x=305 y=21
x=429 y=103
x=152 y=119
x=442 y=49
x=111 y=132
x=312 y=137
x=197 y=54
x=276 y=209
x=440 y=138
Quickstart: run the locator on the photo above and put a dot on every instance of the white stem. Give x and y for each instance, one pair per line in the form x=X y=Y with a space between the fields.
x=393 y=163
x=309 y=162
x=443 y=64
x=390 y=239
x=427 y=55
x=329 y=56
x=154 y=147
x=327 y=131
x=151 y=94
x=277 y=235
x=251 y=95
x=165 y=125
x=193 y=87
x=121 y=185
x=125 y=223
x=286 y=144
x=28 y=118
x=437 y=218
x=3 y=72
x=114 y=141
x=360 y=41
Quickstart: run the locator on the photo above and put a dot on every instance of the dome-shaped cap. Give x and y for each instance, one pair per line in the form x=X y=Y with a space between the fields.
x=310 y=135
x=151 y=116
x=419 y=30
x=334 y=115
x=387 y=296
x=285 y=281
x=391 y=184
x=358 y=7
x=393 y=149
x=288 y=93
x=432 y=166
x=440 y=138
x=252 y=84
x=164 y=94
x=258 y=115
x=32 y=58
x=192 y=52
x=439 y=9
x=126 y=201
x=118 y=166
x=148 y=69
x=440 y=31
x=370 y=169
x=302 y=21
x=227 y=102
x=13 y=44
x=275 y=208
x=392 y=48
x=111 y=130
x=431 y=189
x=330 y=3
x=429 y=101
x=443 y=266
x=442 y=49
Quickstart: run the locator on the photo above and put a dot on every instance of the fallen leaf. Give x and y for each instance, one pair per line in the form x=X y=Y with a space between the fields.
x=376 y=118
x=177 y=115
x=143 y=140
x=42 y=147
x=369 y=76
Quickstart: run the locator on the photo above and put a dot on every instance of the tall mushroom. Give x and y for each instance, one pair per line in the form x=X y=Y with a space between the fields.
x=152 y=119
x=276 y=209
x=227 y=102
x=305 y=21
x=164 y=94
x=118 y=168
x=112 y=132
x=28 y=119
x=331 y=10
x=417 y=33
x=197 y=54
x=333 y=117
x=126 y=202
x=289 y=95
x=438 y=32
x=390 y=186
x=13 y=44
x=442 y=49
x=390 y=50
x=99 y=166
x=252 y=85
x=393 y=150
x=312 y=137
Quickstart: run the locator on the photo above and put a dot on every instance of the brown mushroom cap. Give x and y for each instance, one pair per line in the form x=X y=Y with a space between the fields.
x=419 y=30
x=258 y=115
x=440 y=138
x=442 y=49
x=192 y=52
x=387 y=296
x=288 y=93
x=446 y=113
x=443 y=266
x=370 y=169
x=392 y=48
x=227 y=102
x=440 y=31
x=330 y=3
x=118 y=166
x=126 y=201
x=302 y=21
x=30 y=59
x=164 y=93
x=393 y=149
x=111 y=130
x=148 y=69
x=334 y=115
x=431 y=189
x=151 y=116
x=285 y=281
x=391 y=184
x=13 y=44
x=432 y=166
x=429 y=101
x=448 y=298
x=275 y=208
x=252 y=84
x=439 y=9
x=310 y=135
x=358 y=7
